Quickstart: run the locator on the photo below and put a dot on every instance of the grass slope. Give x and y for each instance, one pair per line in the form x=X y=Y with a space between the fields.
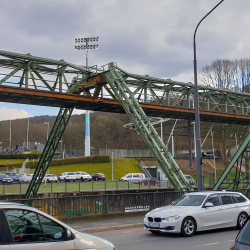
x=121 y=167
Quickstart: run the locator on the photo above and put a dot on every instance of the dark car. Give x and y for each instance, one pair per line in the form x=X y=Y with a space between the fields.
x=242 y=241
x=5 y=179
x=150 y=181
x=98 y=176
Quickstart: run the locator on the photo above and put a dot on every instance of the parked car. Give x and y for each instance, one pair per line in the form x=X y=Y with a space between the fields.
x=5 y=179
x=50 y=178
x=149 y=181
x=10 y=174
x=199 y=211
x=22 y=178
x=98 y=176
x=133 y=177
x=24 y=227
x=58 y=176
x=83 y=176
x=67 y=176
x=242 y=241
x=189 y=178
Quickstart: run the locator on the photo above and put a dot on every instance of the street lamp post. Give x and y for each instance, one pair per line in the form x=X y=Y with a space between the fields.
x=86 y=47
x=112 y=167
x=196 y=107
x=47 y=123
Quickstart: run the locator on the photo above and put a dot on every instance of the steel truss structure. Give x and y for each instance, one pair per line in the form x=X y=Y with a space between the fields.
x=39 y=81
x=241 y=178
x=120 y=90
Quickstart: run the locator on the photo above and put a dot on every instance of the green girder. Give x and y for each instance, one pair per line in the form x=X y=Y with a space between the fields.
x=241 y=180
x=146 y=130
x=51 y=146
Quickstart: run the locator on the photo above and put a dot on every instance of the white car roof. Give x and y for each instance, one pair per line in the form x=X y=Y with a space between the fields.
x=212 y=192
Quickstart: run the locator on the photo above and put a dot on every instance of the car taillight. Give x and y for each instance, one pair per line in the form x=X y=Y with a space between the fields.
x=233 y=248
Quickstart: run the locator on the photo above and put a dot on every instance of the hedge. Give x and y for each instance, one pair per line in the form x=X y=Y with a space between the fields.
x=67 y=161
x=20 y=156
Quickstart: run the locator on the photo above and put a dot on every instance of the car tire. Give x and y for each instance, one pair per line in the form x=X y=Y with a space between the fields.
x=103 y=180
x=156 y=184
x=155 y=232
x=60 y=180
x=241 y=219
x=74 y=180
x=82 y=179
x=188 y=227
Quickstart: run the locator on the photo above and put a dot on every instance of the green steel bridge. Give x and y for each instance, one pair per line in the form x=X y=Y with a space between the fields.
x=34 y=80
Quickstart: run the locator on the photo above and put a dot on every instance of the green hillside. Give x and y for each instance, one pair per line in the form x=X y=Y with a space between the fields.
x=121 y=167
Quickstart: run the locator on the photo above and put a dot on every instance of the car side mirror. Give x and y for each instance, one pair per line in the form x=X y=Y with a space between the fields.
x=209 y=204
x=68 y=233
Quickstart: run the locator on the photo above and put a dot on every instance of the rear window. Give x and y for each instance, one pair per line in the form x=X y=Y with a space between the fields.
x=244 y=235
x=226 y=199
x=237 y=198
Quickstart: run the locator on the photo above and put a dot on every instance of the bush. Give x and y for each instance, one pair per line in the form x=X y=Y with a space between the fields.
x=20 y=156
x=67 y=161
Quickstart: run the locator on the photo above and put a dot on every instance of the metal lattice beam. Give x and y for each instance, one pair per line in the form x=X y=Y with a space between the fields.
x=144 y=127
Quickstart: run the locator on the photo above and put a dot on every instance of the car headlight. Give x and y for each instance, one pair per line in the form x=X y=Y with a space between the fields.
x=112 y=245
x=146 y=217
x=172 y=218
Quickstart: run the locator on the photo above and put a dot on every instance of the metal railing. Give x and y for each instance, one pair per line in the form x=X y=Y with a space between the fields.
x=72 y=206
x=52 y=187
x=102 y=204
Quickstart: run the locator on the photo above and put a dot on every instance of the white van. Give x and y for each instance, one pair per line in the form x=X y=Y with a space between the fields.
x=189 y=178
x=133 y=177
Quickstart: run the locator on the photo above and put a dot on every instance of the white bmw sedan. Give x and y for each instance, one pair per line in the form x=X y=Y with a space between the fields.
x=199 y=211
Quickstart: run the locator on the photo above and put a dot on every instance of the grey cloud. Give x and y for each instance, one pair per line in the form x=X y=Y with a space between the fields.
x=153 y=37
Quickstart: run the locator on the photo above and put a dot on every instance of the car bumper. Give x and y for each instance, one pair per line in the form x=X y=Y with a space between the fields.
x=164 y=226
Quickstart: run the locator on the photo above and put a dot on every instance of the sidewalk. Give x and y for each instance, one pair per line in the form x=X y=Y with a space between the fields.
x=108 y=224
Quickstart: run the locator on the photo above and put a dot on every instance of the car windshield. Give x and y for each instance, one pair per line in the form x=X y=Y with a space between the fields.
x=244 y=235
x=188 y=177
x=190 y=200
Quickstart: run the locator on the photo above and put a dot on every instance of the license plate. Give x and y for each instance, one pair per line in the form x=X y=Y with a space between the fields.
x=154 y=225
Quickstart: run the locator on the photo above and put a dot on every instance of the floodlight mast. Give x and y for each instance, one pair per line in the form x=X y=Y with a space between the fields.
x=86 y=40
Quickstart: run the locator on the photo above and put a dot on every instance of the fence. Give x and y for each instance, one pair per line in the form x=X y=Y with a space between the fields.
x=51 y=187
x=107 y=203
x=101 y=204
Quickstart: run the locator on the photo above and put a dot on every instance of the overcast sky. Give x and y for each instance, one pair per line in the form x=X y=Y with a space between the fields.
x=153 y=37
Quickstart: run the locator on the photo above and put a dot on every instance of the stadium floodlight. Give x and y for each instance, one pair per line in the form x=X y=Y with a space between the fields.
x=87 y=45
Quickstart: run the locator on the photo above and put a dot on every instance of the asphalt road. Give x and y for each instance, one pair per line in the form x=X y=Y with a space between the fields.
x=140 y=239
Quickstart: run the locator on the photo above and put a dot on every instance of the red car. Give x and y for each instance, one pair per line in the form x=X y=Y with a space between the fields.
x=150 y=181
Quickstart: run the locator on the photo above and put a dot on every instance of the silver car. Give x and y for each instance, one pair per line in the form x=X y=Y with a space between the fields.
x=199 y=211
x=23 y=178
x=24 y=227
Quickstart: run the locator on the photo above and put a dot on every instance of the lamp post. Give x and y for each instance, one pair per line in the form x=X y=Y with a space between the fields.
x=196 y=107
x=47 y=123
x=112 y=167
x=86 y=47
x=10 y=137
